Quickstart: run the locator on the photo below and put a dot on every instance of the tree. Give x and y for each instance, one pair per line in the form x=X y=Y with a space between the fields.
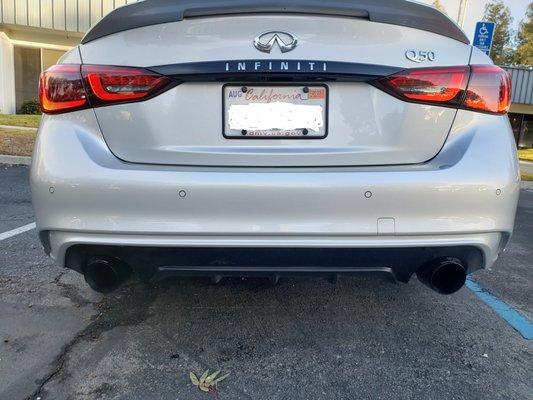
x=497 y=12
x=524 y=51
x=438 y=5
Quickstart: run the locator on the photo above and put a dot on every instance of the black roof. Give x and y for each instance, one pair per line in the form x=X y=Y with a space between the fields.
x=396 y=12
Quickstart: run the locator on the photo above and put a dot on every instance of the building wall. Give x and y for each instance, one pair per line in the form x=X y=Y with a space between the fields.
x=521 y=113
x=34 y=34
x=65 y=15
x=50 y=57
x=7 y=76
x=522 y=85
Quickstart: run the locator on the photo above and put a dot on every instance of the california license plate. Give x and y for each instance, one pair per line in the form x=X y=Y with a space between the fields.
x=275 y=112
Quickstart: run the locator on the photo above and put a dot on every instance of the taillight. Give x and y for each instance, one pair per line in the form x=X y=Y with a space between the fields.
x=61 y=89
x=71 y=87
x=489 y=90
x=480 y=88
x=119 y=84
x=437 y=85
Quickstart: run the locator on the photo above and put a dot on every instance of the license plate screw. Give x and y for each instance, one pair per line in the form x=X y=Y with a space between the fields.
x=305 y=132
x=244 y=89
x=244 y=132
x=306 y=89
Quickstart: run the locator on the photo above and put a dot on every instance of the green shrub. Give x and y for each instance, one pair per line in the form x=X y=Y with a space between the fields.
x=30 y=107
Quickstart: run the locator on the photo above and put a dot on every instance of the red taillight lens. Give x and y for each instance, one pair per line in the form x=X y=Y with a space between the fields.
x=71 y=87
x=489 y=90
x=61 y=89
x=118 y=84
x=437 y=85
x=480 y=88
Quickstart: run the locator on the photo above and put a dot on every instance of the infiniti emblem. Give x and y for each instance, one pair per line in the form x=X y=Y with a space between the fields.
x=265 y=41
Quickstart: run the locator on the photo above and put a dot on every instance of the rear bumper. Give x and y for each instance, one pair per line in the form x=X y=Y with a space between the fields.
x=399 y=257
x=466 y=196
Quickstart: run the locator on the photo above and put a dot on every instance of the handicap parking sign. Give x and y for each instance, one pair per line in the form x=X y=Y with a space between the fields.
x=484 y=35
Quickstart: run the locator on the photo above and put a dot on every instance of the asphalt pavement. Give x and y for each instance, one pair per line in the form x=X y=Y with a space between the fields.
x=362 y=338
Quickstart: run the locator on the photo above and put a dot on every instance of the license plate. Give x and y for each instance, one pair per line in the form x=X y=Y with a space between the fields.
x=275 y=112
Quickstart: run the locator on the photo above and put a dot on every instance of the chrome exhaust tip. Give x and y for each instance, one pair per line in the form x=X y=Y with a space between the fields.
x=444 y=275
x=106 y=274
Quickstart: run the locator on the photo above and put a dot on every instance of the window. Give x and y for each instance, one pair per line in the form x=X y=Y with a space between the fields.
x=29 y=62
x=525 y=139
x=27 y=70
x=522 y=125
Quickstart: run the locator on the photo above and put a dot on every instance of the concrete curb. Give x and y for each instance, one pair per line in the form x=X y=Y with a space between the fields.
x=18 y=128
x=15 y=160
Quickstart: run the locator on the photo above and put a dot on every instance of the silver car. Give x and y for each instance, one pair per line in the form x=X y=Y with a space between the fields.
x=255 y=138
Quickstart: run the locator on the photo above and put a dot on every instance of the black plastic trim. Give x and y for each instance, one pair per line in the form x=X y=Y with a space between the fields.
x=274 y=70
x=395 y=12
x=401 y=262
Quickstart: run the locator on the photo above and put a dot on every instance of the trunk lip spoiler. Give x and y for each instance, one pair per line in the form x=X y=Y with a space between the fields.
x=395 y=12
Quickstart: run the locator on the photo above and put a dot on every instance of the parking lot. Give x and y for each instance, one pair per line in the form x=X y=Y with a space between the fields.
x=362 y=338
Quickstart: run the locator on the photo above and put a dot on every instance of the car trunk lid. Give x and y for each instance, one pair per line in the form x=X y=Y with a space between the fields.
x=187 y=124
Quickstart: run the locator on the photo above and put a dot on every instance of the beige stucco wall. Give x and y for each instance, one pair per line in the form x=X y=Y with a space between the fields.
x=50 y=57
x=522 y=108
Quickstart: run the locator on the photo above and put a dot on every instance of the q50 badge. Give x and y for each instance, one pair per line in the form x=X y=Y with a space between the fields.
x=419 y=56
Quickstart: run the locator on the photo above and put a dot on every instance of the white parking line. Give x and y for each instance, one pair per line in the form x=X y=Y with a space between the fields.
x=17 y=231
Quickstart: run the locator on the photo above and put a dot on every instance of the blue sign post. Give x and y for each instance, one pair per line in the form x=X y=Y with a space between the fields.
x=484 y=35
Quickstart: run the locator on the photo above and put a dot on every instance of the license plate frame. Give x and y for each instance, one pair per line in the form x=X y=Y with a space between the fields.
x=236 y=86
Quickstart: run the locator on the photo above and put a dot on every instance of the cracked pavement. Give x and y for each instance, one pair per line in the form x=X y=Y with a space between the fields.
x=301 y=339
